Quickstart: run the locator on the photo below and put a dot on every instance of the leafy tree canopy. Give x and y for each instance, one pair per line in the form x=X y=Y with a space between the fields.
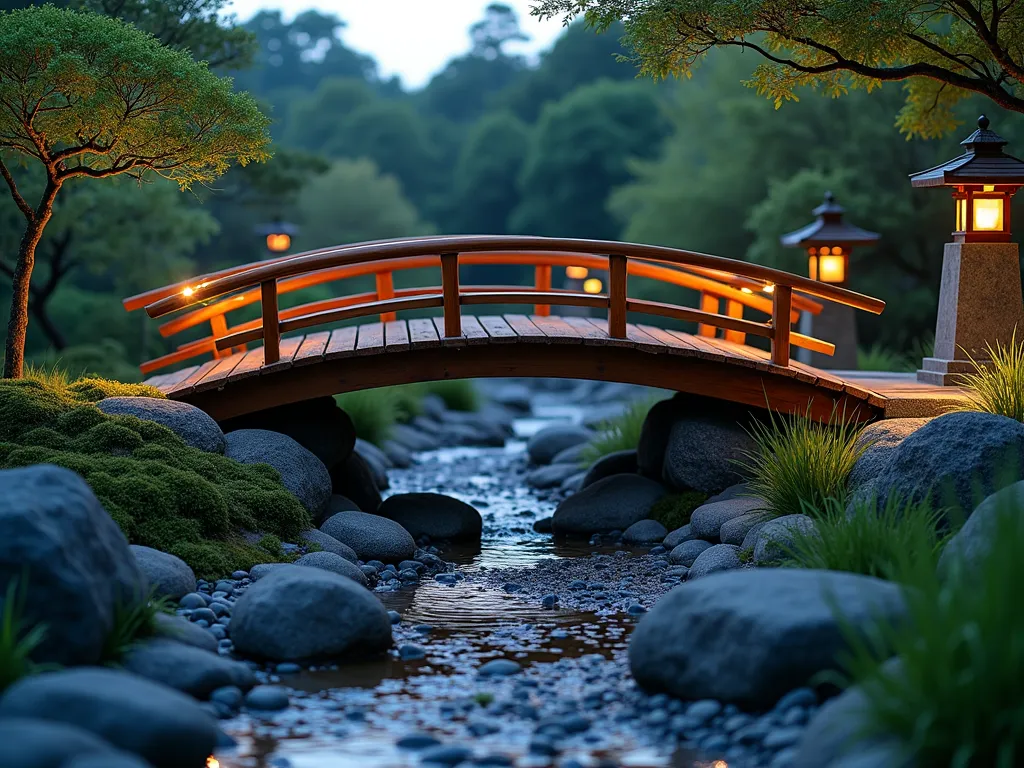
x=943 y=49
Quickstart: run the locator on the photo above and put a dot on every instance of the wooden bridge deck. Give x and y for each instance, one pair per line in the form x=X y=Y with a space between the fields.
x=404 y=351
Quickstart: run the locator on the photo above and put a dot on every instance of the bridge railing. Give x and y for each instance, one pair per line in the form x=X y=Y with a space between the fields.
x=736 y=284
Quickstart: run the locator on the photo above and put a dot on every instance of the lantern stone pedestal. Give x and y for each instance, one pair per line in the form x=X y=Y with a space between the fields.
x=836 y=323
x=979 y=306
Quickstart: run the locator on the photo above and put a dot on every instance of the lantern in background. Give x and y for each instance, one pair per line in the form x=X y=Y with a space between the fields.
x=576 y=273
x=592 y=285
x=278 y=235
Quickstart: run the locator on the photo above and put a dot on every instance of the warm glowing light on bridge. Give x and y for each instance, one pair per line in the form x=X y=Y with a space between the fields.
x=593 y=285
x=212 y=762
x=746 y=290
x=188 y=291
x=770 y=288
x=576 y=273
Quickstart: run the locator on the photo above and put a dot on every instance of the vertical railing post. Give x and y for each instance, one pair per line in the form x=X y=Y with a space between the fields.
x=711 y=305
x=450 y=291
x=617 y=296
x=219 y=328
x=271 y=322
x=385 y=290
x=734 y=309
x=542 y=282
x=782 y=308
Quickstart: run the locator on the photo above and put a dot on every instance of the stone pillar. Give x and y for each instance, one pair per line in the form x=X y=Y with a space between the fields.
x=979 y=306
x=838 y=324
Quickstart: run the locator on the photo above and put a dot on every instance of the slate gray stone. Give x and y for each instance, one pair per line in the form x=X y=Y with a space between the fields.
x=258 y=572
x=164 y=726
x=650 y=451
x=775 y=539
x=970 y=546
x=573 y=455
x=550 y=475
x=79 y=564
x=168 y=575
x=376 y=461
x=186 y=668
x=354 y=479
x=297 y=614
x=707 y=520
x=329 y=561
x=433 y=514
x=191 y=424
x=677 y=537
x=612 y=504
x=732 y=492
x=182 y=630
x=749 y=636
x=573 y=483
x=329 y=543
x=397 y=454
x=371 y=537
x=734 y=531
x=550 y=441
x=412 y=439
x=368 y=449
x=686 y=552
x=615 y=463
x=878 y=442
x=645 y=532
x=703 y=451
x=514 y=396
x=40 y=743
x=301 y=471
x=721 y=557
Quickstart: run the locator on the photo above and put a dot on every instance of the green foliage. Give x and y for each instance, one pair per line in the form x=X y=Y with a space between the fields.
x=619 y=434
x=106 y=359
x=375 y=411
x=746 y=556
x=271 y=545
x=870 y=540
x=998 y=387
x=133 y=623
x=673 y=511
x=799 y=462
x=17 y=640
x=954 y=697
x=458 y=394
x=161 y=492
x=484 y=698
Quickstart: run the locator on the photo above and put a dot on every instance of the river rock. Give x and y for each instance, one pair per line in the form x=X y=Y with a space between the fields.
x=516 y=397
x=707 y=520
x=573 y=455
x=37 y=743
x=191 y=424
x=186 y=668
x=878 y=441
x=376 y=461
x=434 y=515
x=162 y=725
x=550 y=475
x=301 y=471
x=329 y=543
x=645 y=532
x=612 y=504
x=548 y=442
x=182 y=630
x=573 y=483
x=329 y=561
x=318 y=425
x=970 y=546
x=776 y=538
x=960 y=458
x=413 y=439
x=677 y=537
x=734 y=531
x=686 y=552
x=720 y=557
x=749 y=636
x=78 y=562
x=296 y=614
x=168 y=576
x=650 y=451
x=369 y=450
x=355 y=480
x=703 y=451
x=397 y=454
x=371 y=537
x=615 y=463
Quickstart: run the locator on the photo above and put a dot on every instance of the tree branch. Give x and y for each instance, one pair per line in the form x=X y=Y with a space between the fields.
x=23 y=206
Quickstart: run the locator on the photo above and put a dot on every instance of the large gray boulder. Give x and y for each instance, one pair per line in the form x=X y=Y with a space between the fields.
x=734 y=531
x=371 y=537
x=707 y=520
x=435 y=515
x=37 y=743
x=703 y=451
x=329 y=544
x=550 y=441
x=645 y=532
x=612 y=504
x=777 y=537
x=615 y=463
x=191 y=424
x=329 y=561
x=878 y=442
x=748 y=636
x=650 y=451
x=162 y=725
x=186 y=668
x=295 y=614
x=168 y=576
x=376 y=462
x=354 y=479
x=686 y=552
x=958 y=458
x=301 y=471
x=967 y=550
x=78 y=564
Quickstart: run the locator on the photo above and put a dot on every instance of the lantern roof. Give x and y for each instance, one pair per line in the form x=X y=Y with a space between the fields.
x=983 y=162
x=828 y=229
x=277 y=227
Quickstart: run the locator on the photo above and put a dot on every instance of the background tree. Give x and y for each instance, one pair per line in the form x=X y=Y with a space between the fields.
x=87 y=96
x=945 y=49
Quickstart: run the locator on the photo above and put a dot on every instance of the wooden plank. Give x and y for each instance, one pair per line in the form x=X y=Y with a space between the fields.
x=440 y=324
x=250 y=366
x=557 y=330
x=312 y=349
x=704 y=350
x=617 y=296
x=396 y=336
x=156 y=381
x=472 y=331
x=289 y=348
x=423 y=333
x=644 y=340
x=708 y=303
x=678 y=345
x=590 y=333
x=173 y=379
x=450 y=290
x=602 y=325
x=342 y=343
x=497 y=329
x=370 y=339
x=734 y=308
x=525 y=329
x=217 y=376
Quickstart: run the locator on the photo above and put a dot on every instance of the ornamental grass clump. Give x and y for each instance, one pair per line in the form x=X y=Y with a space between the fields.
x=458 y=394
x=997 y=387
x=871 y=539
x=954 y=696
x=621 y=433
x=798 y=461
x=17 y=640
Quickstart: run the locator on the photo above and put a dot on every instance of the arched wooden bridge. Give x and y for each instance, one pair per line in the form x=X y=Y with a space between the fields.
x=290 y=367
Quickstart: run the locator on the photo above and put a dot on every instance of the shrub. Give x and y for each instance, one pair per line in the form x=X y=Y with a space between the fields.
x=998 y=387
x=131 y=624
x=160 y=491
x=17 y=641
x=798 y=461
x=673 y=511
x=619 y=434
x=955 y=697
x=106 y=359
x=869 y=541
x=458 y=394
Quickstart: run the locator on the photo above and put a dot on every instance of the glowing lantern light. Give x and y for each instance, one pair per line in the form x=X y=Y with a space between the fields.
x=278 y=235
x=576 y=273
x=829 y=241
x=593 y=285
x=279 y=242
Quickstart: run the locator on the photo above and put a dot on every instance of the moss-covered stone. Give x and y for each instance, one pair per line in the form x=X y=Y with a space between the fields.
x=161 y=492
x=673 y=511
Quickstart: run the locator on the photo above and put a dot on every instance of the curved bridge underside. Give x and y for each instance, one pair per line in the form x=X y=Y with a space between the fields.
x=401 y=352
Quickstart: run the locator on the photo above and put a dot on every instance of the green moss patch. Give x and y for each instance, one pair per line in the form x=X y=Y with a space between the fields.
x=673 y=511
x=160 y=491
